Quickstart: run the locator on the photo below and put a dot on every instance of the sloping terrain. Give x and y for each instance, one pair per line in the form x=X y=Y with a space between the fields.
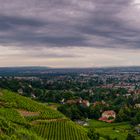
x=24 y=119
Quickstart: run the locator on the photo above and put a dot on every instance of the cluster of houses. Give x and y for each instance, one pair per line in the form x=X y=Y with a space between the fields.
x=107 y=116
x=80 y=101
x=100 y=103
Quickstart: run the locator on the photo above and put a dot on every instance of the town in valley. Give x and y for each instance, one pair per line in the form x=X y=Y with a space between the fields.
x=89 y=97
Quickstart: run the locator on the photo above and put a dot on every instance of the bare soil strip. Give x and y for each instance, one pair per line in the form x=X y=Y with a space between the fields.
x=26 y=113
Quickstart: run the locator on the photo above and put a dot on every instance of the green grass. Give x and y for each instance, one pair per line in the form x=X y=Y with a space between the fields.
x=98 y=124
x=101 y=138
x=113 y=130
x=53 y=105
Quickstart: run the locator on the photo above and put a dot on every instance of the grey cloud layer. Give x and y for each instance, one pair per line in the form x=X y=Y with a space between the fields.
x=63 y=23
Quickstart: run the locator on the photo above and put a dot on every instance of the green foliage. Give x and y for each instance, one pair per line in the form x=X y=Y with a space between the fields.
x=6 y=127
x=13 y=100
x=112 y=131
x=47 y=124
x=95 y=112
x=124 y=115
x=71 y=111
x=11 y=115
x=11 y=131
x=136 y=119
x=47 y=114
x=93 y=135
x=130 y=137
x=25 y=134
x=60 y=130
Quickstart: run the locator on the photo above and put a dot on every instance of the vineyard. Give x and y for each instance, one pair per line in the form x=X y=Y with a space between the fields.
x=60 y=130
x=12 y=100
x=11 y=115
x=22 y=118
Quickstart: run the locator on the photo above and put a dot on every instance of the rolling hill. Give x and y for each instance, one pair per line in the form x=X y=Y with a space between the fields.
x=24 y=119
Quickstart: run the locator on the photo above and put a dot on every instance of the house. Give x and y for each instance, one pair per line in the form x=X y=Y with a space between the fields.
x=100 y=103
x=137 y=91
x=33 y=95
x=83 y=123
x=137 y=105
x=62 y=101
x=79 y=101
x=127 y=95
x=109 y=113
x=71 y=102
x=108 y=116
x=85 y=103
x=20 y=91
x=137 y=129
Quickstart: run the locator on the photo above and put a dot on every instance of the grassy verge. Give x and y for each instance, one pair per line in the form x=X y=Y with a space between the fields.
x=113 y=130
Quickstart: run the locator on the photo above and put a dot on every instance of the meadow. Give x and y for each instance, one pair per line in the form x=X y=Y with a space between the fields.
x=113 y=130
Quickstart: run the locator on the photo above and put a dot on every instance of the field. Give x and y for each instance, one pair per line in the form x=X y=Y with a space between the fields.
x=114 y=130
x=60 y=130
x=24 y=119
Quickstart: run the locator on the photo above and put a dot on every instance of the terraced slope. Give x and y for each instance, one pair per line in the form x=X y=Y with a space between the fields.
x=60 y=130
x=24 y=119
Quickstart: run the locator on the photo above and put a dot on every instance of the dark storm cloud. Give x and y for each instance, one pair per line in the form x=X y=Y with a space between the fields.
x=9 y=22
x=62 y=23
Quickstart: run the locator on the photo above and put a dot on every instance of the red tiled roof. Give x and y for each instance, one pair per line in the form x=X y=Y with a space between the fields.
x=71 y=102
x=110 y=112
x=84 y=102
x=105 y=119
x=99 y=103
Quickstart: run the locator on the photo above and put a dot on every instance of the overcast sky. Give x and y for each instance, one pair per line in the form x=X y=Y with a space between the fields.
x=69 y=33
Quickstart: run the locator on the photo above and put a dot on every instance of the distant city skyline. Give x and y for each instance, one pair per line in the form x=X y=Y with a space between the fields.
x=65 y=34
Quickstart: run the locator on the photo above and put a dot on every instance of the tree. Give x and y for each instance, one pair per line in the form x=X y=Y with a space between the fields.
x=124 y=115
x=95 y=112
x=136 y=119
x=130 y=137
x=93 y=135
x=71 y=111
x=107 y=138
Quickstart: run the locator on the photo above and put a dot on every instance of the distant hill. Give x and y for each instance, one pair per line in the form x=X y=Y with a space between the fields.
x=24 y=119
x=34 y=71
x=21 y=70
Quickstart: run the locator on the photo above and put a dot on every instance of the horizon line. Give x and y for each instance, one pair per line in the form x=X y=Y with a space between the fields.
x=69 y=67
